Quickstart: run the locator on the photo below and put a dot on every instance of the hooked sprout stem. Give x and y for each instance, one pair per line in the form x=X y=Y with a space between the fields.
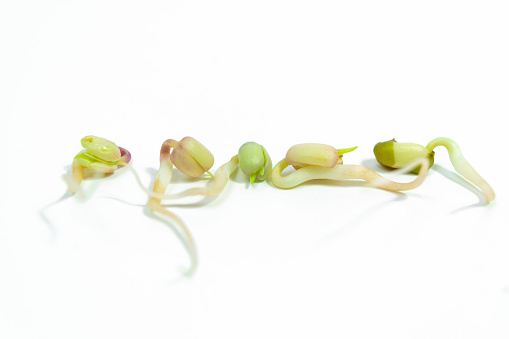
x=462 y=166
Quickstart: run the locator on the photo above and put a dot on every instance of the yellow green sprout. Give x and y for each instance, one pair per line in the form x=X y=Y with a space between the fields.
x=394 y=154
x=319 y=161
x=310 y=160
x=99 y=155
x=254 y=161
x=191 y=158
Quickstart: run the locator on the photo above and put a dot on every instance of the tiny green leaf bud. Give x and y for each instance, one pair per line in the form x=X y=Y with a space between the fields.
x=254 y=161
x=191 y=157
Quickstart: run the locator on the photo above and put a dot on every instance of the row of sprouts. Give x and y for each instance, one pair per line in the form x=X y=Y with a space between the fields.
x=310 y=161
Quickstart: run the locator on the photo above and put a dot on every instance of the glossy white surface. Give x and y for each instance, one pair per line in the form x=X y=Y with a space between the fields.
x=319 y=261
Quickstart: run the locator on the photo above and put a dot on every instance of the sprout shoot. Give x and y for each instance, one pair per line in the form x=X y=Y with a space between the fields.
x=395 y=155
x=100 y=156
x=191 y=158
x=318 y=161
x=252 y=158
x=254 y=161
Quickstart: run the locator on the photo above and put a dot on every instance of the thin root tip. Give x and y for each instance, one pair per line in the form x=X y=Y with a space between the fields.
x=188 y=271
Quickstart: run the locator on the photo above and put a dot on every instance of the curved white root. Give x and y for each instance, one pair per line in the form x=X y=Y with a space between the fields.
x=345 y=172
x=164 y=176
x=161 y=182
x=163 y=179
x=182 y=231
x=462 y=166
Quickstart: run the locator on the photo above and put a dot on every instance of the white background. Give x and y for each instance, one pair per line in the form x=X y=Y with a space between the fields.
x=324 y=260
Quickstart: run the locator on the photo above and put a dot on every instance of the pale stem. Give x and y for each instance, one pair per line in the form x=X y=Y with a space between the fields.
x=163 y=177
x=346 y=172
x=161 y=182
x=462 y=166
x=220 y=180
x=74 y=182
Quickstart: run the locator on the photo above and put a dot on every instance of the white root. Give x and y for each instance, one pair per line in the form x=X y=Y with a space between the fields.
x=182 y=231
x=163 y=179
